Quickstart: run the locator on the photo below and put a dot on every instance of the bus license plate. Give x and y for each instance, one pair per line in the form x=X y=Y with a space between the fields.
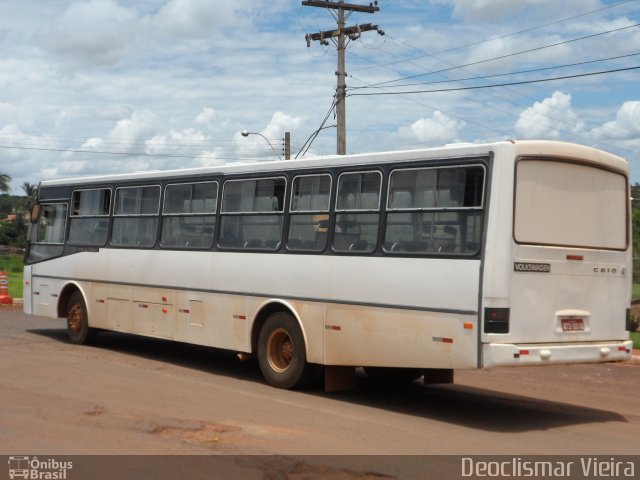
x=572 y=324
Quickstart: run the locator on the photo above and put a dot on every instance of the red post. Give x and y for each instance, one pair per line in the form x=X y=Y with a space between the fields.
x=5 y=298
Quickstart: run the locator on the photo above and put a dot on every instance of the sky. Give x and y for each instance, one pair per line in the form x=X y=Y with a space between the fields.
x=92 y=87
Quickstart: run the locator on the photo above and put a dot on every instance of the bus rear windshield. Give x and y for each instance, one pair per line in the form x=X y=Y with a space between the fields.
x=568 y=204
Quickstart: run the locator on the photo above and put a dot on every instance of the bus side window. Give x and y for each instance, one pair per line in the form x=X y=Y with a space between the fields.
x=135 y=221
x=308 y=211
x=434 y=210
x=357 y=212
x=47 y=234
x=252 y=214
x=89 y=223
x=188 y=215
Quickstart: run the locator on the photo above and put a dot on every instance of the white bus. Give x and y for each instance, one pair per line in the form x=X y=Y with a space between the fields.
x=405 y=263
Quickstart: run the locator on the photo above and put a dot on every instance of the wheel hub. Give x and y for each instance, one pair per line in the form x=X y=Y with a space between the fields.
x=279 y=350
x=74 y=320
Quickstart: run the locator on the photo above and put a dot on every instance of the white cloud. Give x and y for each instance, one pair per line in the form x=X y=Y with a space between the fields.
x=435 y=130
x=113 y=112
x=195 y=148
x=94 y=32
x=206 y=116
x=626 y=126
x=197 y=18
x=128 y=135
x=130 y=132
x=551 y=118
x=93 y=143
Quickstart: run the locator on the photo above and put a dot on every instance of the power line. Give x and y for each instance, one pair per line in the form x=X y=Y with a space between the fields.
x=111 y=140
x=128 y=154
x=315 y=134
x=473 y=44
x=482 y=77
x=477 y=87
x=487 y=93
x=478 y=62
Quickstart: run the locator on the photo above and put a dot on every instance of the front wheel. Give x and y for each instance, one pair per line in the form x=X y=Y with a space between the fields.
x=78 y=328
x=282 y=354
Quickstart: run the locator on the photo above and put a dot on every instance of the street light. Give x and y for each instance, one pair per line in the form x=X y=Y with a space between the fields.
x=246 y=133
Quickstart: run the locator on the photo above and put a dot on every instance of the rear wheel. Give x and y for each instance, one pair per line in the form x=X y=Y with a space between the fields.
x=78 y=328
x=282 y=354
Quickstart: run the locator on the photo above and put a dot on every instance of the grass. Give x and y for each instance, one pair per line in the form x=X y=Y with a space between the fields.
x=635 y=292
x=12 y=264
x=635 y=336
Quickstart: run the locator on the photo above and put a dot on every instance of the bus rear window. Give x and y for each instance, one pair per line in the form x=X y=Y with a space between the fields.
x=560 y=203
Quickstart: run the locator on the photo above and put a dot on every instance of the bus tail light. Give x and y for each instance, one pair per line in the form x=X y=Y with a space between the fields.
x=496 y=320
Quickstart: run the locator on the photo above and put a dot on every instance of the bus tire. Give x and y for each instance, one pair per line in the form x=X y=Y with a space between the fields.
x=393 y=375
x=78 y=328
x=282 y=354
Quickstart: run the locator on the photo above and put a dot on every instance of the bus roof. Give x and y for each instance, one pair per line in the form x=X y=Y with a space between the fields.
x=520 y=147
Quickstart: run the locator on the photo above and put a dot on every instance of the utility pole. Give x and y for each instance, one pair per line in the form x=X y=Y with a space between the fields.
x=338 y=36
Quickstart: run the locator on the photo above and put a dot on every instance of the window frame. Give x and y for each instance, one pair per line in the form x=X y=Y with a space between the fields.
x=65 y=226
x=215 y=205
x=293 y=213
x=247 y=213
x=435 y=210
x=254 y=212
x=115 y=203
x=357 y=211
x=108 y=214
x=72 y=217
x=115 y=216
x=307 y=175
x=213 y=215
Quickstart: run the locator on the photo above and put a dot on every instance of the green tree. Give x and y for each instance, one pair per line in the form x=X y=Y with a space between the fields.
x=5 y=182
x=29 y=189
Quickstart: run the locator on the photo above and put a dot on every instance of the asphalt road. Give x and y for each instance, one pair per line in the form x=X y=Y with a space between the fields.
x=133 y=395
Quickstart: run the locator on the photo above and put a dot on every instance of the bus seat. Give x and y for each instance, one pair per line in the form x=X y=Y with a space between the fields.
x=359 y=246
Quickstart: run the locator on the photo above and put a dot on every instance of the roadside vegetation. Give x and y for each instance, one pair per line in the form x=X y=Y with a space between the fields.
x=13 y=231
x=12 y=265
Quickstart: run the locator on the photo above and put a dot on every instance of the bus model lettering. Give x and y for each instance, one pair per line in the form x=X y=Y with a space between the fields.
x=605 y=270
x=532 y=267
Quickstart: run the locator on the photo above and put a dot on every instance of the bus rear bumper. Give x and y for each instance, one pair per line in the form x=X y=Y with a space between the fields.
x=503 y=355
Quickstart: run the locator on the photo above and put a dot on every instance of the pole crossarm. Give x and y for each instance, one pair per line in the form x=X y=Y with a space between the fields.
x=351 y=32
x=340 y=37
x=371 y=8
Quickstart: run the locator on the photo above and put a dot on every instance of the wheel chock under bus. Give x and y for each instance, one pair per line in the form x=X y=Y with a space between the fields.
x=435 y=376
x=339 y=379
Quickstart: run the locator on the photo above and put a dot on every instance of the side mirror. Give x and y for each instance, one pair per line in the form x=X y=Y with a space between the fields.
x=35 y=213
